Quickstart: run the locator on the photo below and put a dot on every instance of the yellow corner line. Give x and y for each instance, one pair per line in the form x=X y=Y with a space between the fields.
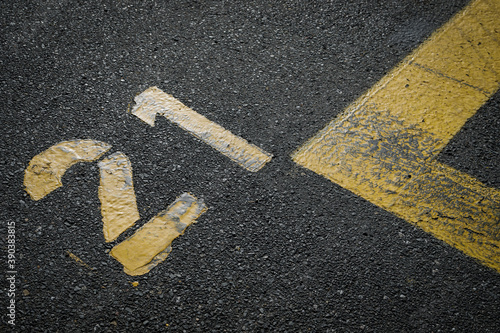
x=384 y=146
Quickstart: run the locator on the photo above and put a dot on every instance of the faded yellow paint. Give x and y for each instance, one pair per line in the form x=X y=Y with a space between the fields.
x=45 y=171
x=424 y=101
x=154 y=101
x=150 y=245
x=117 y=196
x=79 y=261
x=384 y=146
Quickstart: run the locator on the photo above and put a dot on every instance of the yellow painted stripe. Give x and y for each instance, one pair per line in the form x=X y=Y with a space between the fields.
x=154 y=101
x=466 y=49
x=384 y=146
x=150 y=245
x=117 y=196
x=45 y=171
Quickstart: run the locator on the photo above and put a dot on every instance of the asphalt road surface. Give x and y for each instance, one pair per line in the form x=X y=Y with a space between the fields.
x=278 y=250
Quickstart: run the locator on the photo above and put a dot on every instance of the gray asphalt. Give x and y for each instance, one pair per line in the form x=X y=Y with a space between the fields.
x=280 y=250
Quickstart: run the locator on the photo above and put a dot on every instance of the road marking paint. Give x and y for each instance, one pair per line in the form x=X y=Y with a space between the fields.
x=79 y=261
x=150 y=245
x=154 y=101
x=44 y=172
x=467 y=48
x=117 y=196
x=116 y=191
x=384 y=146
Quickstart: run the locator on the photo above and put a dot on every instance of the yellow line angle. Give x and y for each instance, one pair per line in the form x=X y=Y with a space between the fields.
x=45 y=171
x=150 y=245
x=154 y=101
x=384 y=146
x=117 y=195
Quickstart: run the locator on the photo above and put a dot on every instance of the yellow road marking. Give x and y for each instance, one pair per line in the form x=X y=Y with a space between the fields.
x=79 y=261
x=44 y=172
x=117 y=196
x=384 y=146
x=154 y=101
x=150 y=245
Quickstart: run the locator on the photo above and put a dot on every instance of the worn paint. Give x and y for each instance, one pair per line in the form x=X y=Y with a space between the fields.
x=150 y=245
x=79 y=261
x=45 y=171
x=154 y=101
x=384 y=146
x=117 y=196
